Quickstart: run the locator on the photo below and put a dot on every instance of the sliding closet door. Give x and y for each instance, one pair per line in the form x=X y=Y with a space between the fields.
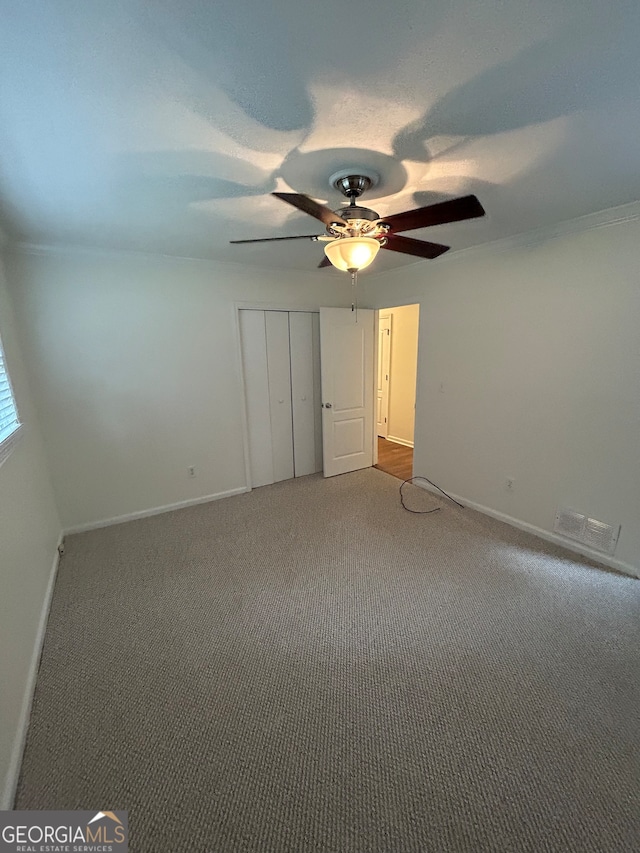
x=304 y=345
x=279 y=372
x=253 y=337
x=281 y=365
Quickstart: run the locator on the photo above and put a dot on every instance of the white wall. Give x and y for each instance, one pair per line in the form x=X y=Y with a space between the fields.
x=29 y=532
x=135 y=370
x=403 y=372
x=538 y=350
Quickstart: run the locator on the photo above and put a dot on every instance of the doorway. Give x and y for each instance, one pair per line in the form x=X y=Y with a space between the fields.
x=396 y=371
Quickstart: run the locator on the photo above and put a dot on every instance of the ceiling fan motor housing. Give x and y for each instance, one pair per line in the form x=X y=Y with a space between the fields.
x=353 y=211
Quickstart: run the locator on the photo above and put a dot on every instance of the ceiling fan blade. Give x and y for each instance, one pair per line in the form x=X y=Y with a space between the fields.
x=419 y=248
x=308 y=205
x=467 y=207
x=272 y=239
x=325 y=262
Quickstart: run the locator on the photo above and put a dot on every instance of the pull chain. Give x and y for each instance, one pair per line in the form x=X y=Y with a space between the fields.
x=354 y=291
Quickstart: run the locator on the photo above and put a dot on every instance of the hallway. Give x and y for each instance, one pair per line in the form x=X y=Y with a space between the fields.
x=395 y=459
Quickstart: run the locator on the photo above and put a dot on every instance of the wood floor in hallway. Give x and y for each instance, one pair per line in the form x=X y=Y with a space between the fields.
x=395 y=459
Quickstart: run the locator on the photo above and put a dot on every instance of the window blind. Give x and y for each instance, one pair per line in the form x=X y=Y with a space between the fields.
x=9 y=422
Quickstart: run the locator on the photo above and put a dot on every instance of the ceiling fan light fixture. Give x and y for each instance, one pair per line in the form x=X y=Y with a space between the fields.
x=352 y=253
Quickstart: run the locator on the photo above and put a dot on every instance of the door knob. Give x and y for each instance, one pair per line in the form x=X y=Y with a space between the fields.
x=327 y=405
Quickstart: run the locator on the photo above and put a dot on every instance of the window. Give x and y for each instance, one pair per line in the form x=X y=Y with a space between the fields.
x=9 y=422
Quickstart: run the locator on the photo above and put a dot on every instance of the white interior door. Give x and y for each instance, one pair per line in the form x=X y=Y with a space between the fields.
x=382 y=382
x=346 y=352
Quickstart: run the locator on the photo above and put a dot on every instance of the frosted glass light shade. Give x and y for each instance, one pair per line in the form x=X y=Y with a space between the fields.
x=352 y=253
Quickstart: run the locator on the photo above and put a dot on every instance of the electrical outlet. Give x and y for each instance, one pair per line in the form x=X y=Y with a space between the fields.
x=191 y=471
x=509 y=483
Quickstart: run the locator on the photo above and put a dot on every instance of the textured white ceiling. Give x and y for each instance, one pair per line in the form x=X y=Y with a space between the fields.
x=163 y=126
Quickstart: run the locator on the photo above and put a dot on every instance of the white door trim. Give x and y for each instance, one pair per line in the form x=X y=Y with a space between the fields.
x=381 y=357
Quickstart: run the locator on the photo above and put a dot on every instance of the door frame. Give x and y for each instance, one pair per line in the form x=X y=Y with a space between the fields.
x=376 y=356
x=379 y=312
x=239 y=369
x=382 y=317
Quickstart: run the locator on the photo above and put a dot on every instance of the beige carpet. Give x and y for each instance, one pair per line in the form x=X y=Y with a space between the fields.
x=310 y=668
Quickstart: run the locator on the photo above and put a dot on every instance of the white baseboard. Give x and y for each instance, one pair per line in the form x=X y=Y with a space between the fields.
x=401 y=441
x=157 y=510
x=547 y=535
x=15 y=762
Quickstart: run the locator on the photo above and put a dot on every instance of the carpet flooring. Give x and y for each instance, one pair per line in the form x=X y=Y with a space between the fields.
x=307 y=667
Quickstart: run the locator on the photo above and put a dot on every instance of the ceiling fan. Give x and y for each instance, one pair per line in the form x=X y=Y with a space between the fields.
x=354 y=234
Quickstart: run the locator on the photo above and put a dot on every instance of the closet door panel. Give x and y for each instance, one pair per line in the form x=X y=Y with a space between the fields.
x=304 y=392
x=256 y=383
x=317 y=390
x=279 y=373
